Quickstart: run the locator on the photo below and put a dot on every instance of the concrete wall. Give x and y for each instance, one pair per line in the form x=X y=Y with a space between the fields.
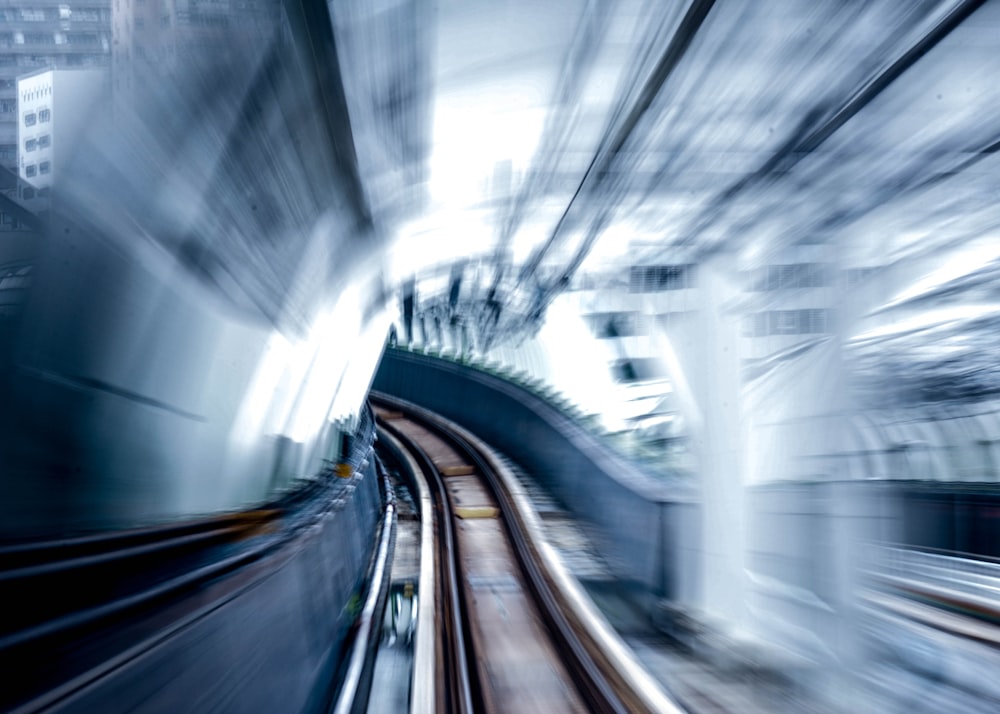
x=276 y=645
x=805 y=553
x=645 y=528
x=804 y=541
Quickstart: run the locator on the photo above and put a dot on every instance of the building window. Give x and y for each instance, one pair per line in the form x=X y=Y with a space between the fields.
x=44 y=167
x=30 y=170
x=8 y=106
x=30 y=119
x=816 y=321
x=606 y=325
x=659 y=278
x=31 y=144
x=28 y=193
x=44 y=115
x=789 y=322
x=87 y=14
x=44 y=141
x=785 y=322
x=83 y=38
x=637 y=369
x=786 y=277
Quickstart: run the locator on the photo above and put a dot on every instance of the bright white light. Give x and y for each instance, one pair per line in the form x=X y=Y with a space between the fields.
x=928 y=319
x=268 y=393
x=681 y=386
x=617 y=242
x=960 y=263
x=364 y=359
x=579 y=365
x=332 y=336
x=439 y=239
x=469 y=142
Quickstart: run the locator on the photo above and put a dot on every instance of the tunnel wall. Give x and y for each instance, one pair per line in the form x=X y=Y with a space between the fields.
x=274 y=644
x=133 y=393
x=645 y=530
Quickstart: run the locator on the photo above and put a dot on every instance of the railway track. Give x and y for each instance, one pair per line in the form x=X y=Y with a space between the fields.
x=501 y=626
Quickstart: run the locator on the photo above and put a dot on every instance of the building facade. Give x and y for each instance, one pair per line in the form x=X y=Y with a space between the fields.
x=54 y=107
x=46 y=34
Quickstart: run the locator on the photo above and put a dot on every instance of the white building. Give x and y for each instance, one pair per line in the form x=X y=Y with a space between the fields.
x=54 y=106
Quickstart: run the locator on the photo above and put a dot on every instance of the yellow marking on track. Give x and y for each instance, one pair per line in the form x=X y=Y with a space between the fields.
x=261 y=514
x=251 y=523
x=463 y=470
x=469 y=512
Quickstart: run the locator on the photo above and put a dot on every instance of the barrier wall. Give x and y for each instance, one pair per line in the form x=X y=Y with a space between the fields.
x=269 y=637
x=645 y=528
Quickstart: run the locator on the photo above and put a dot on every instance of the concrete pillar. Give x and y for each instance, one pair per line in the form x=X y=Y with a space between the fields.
x=718 y=440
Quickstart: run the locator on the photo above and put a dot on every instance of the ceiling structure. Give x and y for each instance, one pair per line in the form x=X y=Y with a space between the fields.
x=809 y=185
x=579 y=137
x=833 y=164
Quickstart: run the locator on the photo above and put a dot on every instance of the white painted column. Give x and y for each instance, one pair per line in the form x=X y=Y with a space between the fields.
x=718 y=440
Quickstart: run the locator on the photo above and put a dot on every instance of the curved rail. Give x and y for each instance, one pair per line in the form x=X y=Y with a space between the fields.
x=423 y=677
x=606 y=674
x=356 y=681
x=455 y=680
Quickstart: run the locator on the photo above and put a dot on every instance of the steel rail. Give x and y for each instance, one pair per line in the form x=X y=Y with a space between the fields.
x=423 y=689
x=606 y=674
x=462 y=695
x=352 y=698
x=632 y=684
